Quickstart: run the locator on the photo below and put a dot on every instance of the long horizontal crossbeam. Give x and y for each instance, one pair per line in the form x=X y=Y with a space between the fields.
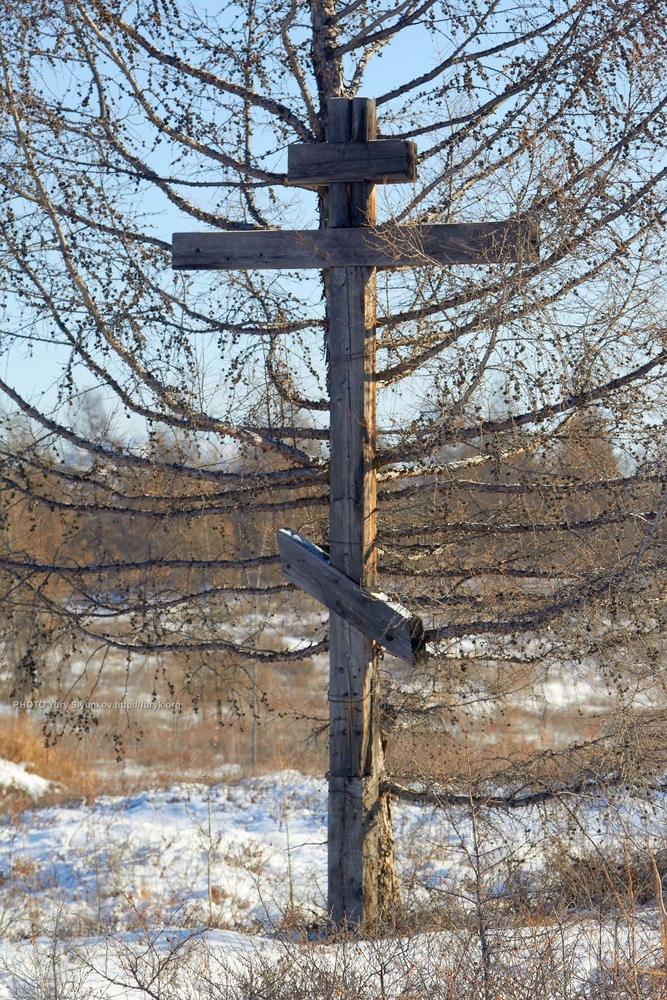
x=394 y=246
x=389 y=623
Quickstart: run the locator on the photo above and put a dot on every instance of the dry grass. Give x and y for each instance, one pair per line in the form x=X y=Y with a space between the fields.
x=67 y=764
x=192 y=747
x=213 y=728
x=448 y=967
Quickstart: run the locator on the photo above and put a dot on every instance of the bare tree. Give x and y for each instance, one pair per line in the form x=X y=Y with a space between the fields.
x=521 y=463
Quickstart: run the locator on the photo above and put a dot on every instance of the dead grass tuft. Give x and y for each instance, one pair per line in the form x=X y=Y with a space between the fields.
x=70 y=767
x=613 y=882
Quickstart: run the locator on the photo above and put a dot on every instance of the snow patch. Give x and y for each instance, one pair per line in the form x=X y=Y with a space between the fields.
x=16 y=776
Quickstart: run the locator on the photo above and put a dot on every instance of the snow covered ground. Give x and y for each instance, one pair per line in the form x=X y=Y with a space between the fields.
x=193 y=881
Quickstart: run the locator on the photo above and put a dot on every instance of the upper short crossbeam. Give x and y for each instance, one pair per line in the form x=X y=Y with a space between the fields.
x=380 y=161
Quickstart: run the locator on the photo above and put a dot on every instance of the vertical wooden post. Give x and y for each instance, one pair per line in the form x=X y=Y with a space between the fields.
x=355 y=751
x=362 y=877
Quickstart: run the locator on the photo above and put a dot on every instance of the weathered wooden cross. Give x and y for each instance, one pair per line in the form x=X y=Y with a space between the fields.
x=350 y=163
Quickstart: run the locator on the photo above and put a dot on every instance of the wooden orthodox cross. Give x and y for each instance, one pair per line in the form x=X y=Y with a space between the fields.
x=349 y=250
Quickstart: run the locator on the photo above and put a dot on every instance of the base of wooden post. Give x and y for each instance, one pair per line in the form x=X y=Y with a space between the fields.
x=361 y=852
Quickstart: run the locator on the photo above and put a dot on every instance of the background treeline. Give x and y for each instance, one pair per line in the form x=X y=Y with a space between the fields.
x=544 y=626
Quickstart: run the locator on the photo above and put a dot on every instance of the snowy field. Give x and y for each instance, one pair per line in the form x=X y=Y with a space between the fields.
x=198 y=890
x=216 y=888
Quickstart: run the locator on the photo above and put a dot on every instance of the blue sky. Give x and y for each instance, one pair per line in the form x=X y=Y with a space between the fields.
x=35 y=368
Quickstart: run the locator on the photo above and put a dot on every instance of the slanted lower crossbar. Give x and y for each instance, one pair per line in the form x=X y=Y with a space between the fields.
x=388 y=622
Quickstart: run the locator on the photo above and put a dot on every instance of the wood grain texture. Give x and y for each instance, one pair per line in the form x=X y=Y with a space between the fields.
x=355 y=750
x=507 y=242
x=389 y=623
x=383 y=161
